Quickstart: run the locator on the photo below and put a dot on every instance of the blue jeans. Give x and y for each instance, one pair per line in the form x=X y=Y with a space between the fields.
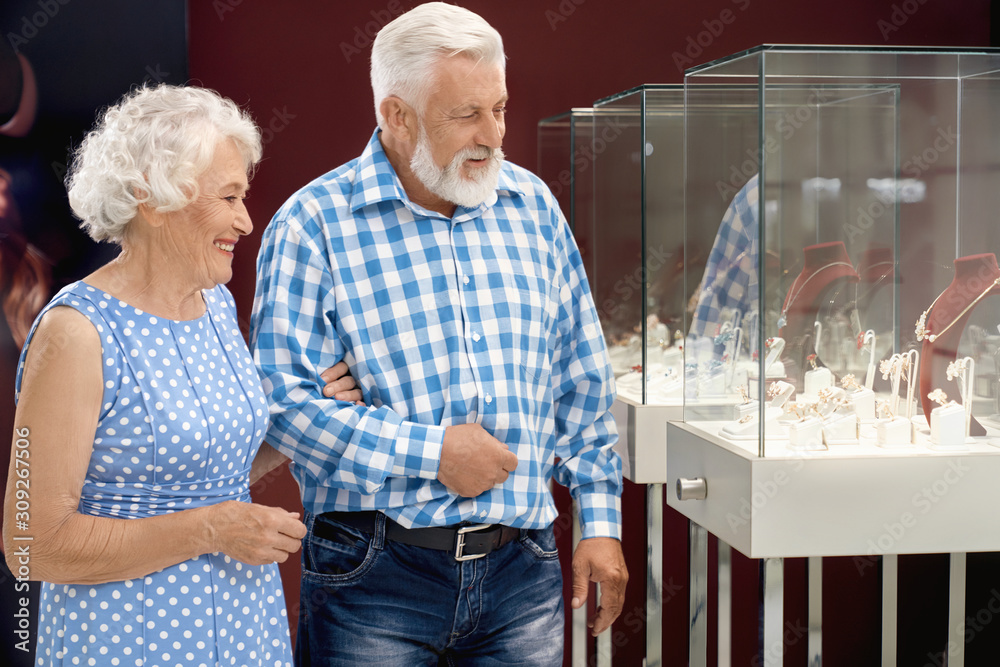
x=369 y=601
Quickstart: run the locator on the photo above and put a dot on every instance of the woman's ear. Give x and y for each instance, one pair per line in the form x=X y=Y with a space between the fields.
x=147 y=213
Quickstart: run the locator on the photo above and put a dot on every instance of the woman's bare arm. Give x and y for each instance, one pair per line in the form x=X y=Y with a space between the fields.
x=58 y=409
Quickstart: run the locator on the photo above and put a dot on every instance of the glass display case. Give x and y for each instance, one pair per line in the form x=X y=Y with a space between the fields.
x=841 y=191
x=846 y=305
x=636 y=166
x=844 y=396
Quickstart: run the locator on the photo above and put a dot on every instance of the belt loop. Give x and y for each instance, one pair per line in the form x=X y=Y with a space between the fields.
x=378 y=541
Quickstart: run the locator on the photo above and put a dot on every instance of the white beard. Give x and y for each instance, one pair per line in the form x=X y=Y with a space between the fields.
x=449 y=183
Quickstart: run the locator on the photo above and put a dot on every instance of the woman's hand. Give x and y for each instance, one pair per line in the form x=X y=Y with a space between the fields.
x=340 y=385
x=255 y=534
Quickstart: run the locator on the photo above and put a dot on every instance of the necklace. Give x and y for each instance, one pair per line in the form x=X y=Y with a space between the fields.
x=791 y=299
x=923 y=332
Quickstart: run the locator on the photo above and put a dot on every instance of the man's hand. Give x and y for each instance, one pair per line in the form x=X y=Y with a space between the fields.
x=473 y=461
x=340 y=384
x=600 y=559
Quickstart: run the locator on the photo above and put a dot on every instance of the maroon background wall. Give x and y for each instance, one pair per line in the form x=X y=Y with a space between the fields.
x=302 y=68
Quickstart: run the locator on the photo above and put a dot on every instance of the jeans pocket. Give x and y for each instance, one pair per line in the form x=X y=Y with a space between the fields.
x=540 y=544
x=338 y=553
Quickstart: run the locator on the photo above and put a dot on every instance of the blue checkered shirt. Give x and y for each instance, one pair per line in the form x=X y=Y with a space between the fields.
x=485 y=317
x=730 y=280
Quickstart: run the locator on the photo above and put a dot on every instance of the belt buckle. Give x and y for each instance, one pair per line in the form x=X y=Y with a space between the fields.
x=460 y=541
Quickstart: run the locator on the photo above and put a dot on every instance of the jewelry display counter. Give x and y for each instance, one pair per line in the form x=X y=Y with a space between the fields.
x=847 y=195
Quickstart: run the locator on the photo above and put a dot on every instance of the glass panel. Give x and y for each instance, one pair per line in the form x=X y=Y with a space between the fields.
x=618 y=287
x=875 y=173
x=638 y=216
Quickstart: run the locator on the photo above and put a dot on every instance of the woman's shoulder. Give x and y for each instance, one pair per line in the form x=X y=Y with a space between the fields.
x=76 y=296
x=222 y=308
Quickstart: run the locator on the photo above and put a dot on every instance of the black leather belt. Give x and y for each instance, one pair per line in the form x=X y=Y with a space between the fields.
x=464 y=542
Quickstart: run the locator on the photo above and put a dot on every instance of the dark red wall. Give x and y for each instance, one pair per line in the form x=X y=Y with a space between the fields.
x=302 y=68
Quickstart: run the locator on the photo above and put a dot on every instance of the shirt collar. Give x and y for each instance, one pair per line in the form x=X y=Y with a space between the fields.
x=377 y=182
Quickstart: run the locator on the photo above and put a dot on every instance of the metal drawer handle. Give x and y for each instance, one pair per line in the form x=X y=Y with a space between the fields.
x=692 y=489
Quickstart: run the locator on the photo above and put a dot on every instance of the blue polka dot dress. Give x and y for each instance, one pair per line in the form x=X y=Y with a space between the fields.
x=183 y=415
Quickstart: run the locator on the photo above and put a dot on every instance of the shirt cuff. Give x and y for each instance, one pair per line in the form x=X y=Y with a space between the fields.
x=600 y=511
x=417 y=450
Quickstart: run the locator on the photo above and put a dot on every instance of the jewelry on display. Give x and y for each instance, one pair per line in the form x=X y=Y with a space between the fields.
x=956 y=369
x=941 y=398
x=883 y=409
x=921 y=328
x=637 y=368
x=892 y=369
x=842 y=403
x=850 y=382
x=745 y=418
x=783 y=319
x=773 y=390
x=812 y=360
x=799 y=410
x=723 y=337
x=775 y=346
x=744 y=394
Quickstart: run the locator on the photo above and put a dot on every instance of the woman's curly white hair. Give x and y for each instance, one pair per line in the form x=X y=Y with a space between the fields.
x=150 y=148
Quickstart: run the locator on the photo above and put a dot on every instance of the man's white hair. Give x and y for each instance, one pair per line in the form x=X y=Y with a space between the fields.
x=407 y=49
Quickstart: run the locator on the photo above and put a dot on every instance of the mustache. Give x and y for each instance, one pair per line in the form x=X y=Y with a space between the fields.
x=481 y=153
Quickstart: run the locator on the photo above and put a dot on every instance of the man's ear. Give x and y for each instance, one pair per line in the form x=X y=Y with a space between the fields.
x=400 y=120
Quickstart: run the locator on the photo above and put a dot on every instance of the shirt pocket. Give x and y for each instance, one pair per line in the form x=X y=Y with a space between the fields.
x=527 y=300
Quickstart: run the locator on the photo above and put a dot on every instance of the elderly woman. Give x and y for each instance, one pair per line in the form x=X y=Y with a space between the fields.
x=140 y=413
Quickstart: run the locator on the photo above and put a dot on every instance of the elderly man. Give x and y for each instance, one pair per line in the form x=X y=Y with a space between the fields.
x=450 y=283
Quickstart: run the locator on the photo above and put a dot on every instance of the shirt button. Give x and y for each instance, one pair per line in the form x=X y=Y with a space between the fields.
x=483 y=513
x=488 y=399
x=465 y=280
x=475 y=336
